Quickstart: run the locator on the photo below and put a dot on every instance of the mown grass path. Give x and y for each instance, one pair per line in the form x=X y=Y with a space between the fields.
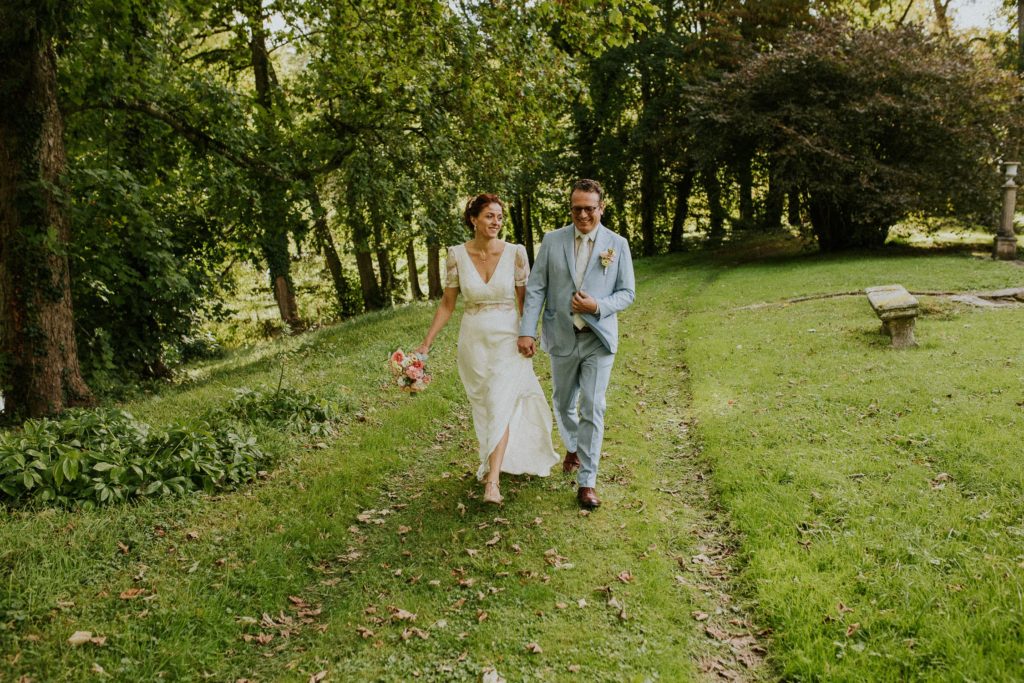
x=322 y=566
x=774 y=479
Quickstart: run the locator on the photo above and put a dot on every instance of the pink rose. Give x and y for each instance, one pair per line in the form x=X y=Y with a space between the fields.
x=414 y=373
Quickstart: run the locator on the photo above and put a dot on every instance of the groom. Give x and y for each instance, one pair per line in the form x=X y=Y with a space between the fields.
x=582 y=277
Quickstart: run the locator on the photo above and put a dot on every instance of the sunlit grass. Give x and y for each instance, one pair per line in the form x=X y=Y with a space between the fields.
x=876 y=498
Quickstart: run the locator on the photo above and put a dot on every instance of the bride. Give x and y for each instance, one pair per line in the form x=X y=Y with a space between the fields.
x=510 y=412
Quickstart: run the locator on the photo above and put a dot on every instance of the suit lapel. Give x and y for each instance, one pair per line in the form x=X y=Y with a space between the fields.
x=570 y=249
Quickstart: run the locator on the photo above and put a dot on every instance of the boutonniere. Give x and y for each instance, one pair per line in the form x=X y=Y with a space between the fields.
x=607 y=258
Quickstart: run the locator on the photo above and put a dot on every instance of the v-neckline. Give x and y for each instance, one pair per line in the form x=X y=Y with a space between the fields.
x=473 y=263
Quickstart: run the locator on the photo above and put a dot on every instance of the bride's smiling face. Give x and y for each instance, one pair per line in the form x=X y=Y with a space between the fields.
x=487 y=224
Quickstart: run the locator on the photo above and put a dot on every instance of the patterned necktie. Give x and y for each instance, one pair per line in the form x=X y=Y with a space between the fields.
x=582 y=256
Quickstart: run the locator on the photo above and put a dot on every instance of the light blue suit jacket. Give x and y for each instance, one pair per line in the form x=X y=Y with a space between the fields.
x=552 y=285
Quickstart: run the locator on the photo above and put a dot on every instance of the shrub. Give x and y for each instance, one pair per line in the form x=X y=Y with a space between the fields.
x=97 y=457
x=869 y=125
x=286 y=408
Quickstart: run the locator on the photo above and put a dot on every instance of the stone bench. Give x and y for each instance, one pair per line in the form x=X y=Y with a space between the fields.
x=897 y=309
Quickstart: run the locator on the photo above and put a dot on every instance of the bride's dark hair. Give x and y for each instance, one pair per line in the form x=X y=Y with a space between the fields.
x=477 y=204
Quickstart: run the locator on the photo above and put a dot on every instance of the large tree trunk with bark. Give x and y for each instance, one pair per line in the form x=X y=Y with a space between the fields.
x=373 y=298
x=39 y=365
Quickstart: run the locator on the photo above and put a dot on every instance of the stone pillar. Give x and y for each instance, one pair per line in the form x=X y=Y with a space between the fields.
x=1005 y=247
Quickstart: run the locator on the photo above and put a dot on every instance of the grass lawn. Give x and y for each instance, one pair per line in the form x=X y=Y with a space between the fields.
x=775 y=479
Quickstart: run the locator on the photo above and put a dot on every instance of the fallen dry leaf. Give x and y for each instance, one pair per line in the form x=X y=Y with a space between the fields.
x=852 y=628
x=413 y=631
x=574 y=668
x=494 y=540
x=317 y=677
x=491 y=675
x=122 y=547
x=398 y=614
x=132 y=593
x=80 y=637
x=402 y=529
x=700 y=616
x=561 y=605
x=481 y=616
x=472 y=552
x=625 y=576
x=715 y=632
x=364 y=632
x=534 y=648
x=581 y=603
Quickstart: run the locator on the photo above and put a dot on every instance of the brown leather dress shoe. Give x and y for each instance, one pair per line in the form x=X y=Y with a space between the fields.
x=571 y=462
x=587 y=498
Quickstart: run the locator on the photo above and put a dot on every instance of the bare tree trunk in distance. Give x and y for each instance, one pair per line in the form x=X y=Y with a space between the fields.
x=1020 y=36
x=684 y=187
x=414 y=277
x=39 y=353
x=528 y=226
x=435 y=290
x=325 y=242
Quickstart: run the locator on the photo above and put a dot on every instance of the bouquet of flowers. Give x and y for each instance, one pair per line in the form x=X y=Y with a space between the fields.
x=409 y=370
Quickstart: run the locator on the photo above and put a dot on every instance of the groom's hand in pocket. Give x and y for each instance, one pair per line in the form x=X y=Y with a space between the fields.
x=527 y=346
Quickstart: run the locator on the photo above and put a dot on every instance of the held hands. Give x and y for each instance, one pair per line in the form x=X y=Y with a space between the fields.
x=423 y=349
x=527 y=346
x=584 y=303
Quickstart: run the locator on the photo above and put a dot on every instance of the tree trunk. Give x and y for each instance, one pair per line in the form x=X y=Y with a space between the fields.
x=434 y=287
x=384 y=267
x=373 y=298
x=414 y=277
x=648 y=200
x=515 y=211
x=272 y=215
x=942 y=15
x=325 y=242
x=745 y=178
x=1020 y=36
x=793 y=207
x=528 y=226
x=716 y=212
x=39 y=365
x=774 y=200
x=683 y=188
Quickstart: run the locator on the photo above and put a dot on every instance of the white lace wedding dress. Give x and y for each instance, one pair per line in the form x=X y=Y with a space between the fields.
x=502 y=387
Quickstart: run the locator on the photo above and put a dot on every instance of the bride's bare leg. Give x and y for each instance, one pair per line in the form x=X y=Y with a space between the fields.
x=497 y=456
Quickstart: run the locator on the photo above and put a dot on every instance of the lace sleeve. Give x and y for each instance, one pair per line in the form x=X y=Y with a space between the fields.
x=451 y=278
x=522 y=266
